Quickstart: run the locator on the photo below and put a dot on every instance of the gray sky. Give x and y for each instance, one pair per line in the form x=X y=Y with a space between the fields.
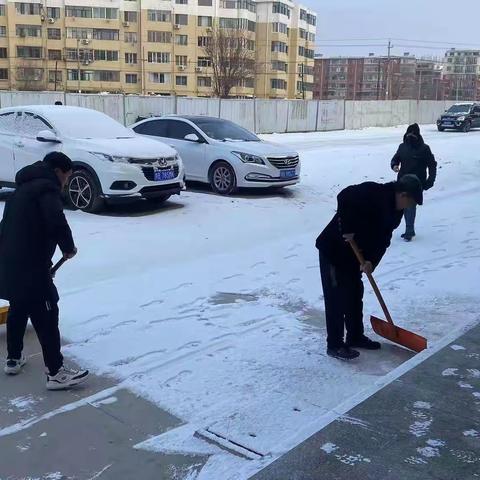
x=422 y=20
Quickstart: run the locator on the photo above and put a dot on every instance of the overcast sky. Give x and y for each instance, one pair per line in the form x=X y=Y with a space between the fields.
x=422 y=20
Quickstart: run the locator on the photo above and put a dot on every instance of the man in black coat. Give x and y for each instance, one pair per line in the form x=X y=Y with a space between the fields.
x=367 y=213
x=414 y=157
x=33 y=226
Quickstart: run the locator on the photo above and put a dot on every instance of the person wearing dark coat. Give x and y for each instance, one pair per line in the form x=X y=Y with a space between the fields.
x=367 y=213
x=33 y=226
x=414 y=157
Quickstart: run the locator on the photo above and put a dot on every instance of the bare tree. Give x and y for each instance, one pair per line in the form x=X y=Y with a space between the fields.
x=30 y=75
x=232 y=59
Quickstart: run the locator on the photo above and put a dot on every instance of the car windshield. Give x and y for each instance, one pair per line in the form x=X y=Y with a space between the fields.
x=88 y=124
x=224 y=130
x=459 y=108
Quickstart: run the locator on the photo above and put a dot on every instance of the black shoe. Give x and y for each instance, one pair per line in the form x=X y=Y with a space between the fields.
x=408 y=237
x=364 y=342
x=342 y=353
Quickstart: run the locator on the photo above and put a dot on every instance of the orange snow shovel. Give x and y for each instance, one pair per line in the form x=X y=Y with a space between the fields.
x=388 y=329
x=53 y=271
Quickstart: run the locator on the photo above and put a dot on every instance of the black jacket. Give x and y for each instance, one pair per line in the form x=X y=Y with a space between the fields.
x=415 y=157
x=369 y=211
x=33 y=225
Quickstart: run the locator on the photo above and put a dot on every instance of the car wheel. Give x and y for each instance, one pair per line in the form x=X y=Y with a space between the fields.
x=441 y=129
x=223 y=179
x=83 y=192
x=467 y=126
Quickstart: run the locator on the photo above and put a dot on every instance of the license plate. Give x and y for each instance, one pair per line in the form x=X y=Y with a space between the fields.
x=288 y=173
x=160 y=175
x=447 y=123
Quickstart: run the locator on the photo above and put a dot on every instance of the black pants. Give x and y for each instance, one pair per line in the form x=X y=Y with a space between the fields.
x=44 y=318
x=343 y=295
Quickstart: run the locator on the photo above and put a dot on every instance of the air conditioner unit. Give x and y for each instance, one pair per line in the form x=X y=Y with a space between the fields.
x=85 y=41
x=51 y=20
x=42 y=18
x=177 y=26
x=198 y=69
x=86 y=62
x=209 y=30
x=126 y=24
x=182 y=67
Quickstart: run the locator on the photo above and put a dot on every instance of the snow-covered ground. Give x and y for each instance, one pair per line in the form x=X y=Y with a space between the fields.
x=212 y=308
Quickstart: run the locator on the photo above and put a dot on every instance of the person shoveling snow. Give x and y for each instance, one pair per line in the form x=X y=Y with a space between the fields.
x=367 y=213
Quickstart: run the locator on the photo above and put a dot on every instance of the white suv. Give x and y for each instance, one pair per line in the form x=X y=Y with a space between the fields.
x=223 y=154
x=111 y=163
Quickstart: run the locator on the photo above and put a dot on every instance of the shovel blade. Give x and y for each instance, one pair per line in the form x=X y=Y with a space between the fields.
x=3 y=315
x=395 y=334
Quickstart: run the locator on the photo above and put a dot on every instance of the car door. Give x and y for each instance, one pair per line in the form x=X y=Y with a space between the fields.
x=27 y=149
x=476 y=117
x=192 y=153
x=8 y=136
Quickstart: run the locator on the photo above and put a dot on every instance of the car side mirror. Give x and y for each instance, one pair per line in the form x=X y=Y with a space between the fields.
x=47 y=136
x=192 y=137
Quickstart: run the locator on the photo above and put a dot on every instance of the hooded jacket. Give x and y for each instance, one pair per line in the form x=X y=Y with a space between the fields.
x=415 y=157
x=33 y=226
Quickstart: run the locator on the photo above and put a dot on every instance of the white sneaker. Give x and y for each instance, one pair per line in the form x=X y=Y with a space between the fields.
x=13 y=367
x=66 y=378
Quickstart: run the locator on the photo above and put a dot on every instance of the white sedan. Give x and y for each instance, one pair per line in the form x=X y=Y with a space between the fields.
x=111 y=163
x=222 y=153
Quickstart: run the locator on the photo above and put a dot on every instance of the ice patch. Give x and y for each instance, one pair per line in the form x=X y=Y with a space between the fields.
x=450 y=372
x=457 y=347
x=24 y=403
x=329 y=447
x=352 y=421
x=422 y=405
x=462 y=384
x=476 y=394
x=435 y=443
x=106 y=401
x=474 y=372
x=23 y=448
x=352 y=459
x=471 y=433
x=428 y=452
x=415 y=461
x=44 y=434
x=419 y=429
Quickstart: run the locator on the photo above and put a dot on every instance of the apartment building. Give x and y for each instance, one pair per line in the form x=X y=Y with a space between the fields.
x=462 y=71
x=378 y=78
x=150 y=46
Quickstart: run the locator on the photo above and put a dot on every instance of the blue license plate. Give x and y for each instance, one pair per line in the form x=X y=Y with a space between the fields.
x=164 y=175
x=447 y=123
x=288 y=173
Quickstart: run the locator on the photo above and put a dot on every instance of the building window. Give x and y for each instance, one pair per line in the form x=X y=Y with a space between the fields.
x=204 y=81
x=78 y=12
x=181 y=80
x=28 y=8
x=181 y=19
x=205 y=21
x=181 y=2
x=181 y=60
x=35 y=74
x=204 y=41
x=107 y=13
x=159 y=16
x=279 y=27
x=130 y=17
x=306 y=52
x=237 y=24
x=280 y=47
x=54 y=54
x=159 y=37
x=28 y=31
x=157 y=77
x=3 y=73
x=53 y=12
x=3 y=52
x=131 y=78
x=55 y=76
x=204 y=3
x=279 y=7
x=29 y=52
x=131 y=37
x=181 y=39
x=105 y=34
x=278 y=66
x=278 y=84
x=239 y=5
x=204 y=62
x=158 y=57
x=106 y=55
x=2 y=10
x=54 y=34
x=131 y=58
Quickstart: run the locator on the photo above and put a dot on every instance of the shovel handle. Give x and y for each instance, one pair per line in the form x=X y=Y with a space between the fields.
x=55 y=268
x=372 y=281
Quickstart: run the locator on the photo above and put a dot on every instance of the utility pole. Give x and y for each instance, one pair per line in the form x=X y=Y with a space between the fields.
x=302 y=74
x=78 y=65
x=378 y=79
x=56 y=70
x=387 y=82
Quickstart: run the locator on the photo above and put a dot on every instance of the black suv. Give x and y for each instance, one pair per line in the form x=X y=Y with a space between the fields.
x=461 y=116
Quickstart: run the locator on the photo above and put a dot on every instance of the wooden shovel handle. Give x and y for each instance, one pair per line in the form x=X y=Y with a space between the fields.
x=373 y=283
x=55 y=268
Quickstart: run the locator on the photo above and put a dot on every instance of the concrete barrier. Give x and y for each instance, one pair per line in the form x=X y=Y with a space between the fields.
x=330 y=115
x=138 y=106
x=16 y=99
x=198 y=106
x=302 y=116
x=241 y=112
x=374 y=113
x=111 y=105
x=271 y=116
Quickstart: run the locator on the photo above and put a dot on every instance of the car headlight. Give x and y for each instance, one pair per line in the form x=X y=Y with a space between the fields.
x=249 y=158
x=110 y=158
x=461 y=119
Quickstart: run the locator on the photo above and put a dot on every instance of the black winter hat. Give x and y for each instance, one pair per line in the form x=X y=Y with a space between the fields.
x=414 y=128
x=412 y=185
